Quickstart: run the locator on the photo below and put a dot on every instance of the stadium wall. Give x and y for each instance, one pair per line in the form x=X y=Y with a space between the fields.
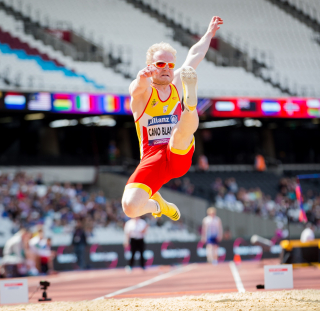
x=52 y=174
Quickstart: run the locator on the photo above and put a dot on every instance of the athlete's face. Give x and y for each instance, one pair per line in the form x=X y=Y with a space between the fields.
x=163 y=75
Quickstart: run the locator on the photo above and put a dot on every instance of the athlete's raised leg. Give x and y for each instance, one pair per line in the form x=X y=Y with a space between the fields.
x=136 y=202
x=182 y=133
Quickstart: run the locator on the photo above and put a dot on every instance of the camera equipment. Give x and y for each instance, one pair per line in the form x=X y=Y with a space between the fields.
x=44 y=285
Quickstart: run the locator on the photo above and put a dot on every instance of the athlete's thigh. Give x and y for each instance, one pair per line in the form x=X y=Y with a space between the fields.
x=150 y=174
x=179 y=161
x=178 y=140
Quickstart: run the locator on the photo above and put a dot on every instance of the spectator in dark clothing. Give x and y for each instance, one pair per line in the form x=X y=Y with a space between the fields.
x=79 y=242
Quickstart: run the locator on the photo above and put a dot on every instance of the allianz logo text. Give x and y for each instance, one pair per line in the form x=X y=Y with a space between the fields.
x=163 y=120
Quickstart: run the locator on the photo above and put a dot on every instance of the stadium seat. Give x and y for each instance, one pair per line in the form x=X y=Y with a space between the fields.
x=290 y=45
x=121 y=25
x=95 y=75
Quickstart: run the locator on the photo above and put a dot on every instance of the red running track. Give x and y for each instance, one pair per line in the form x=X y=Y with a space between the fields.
x=162 y=281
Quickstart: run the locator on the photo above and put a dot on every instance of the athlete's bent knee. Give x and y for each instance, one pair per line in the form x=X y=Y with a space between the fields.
x=130 y=208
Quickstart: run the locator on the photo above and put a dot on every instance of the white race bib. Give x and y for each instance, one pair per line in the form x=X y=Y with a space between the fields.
x=159 y=129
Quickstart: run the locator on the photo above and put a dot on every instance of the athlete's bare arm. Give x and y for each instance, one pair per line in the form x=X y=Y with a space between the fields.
x=140 y=90
x=198 y=51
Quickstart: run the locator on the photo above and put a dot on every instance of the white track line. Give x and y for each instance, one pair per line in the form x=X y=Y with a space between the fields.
x=236 y=277
x=148 y=282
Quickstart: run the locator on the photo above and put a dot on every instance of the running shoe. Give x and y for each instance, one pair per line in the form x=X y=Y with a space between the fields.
x=189 y=80
x=166 y=208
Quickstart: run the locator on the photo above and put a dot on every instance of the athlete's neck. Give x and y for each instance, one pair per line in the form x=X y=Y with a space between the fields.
x=161 y=87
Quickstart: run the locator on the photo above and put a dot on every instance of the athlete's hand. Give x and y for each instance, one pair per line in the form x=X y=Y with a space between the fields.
x=147 y=71
x=215 y=25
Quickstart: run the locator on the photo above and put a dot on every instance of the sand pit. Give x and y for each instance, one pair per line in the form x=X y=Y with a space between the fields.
x=264 y=300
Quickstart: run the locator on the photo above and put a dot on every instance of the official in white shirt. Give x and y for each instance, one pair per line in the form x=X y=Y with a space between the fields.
x=135 y=230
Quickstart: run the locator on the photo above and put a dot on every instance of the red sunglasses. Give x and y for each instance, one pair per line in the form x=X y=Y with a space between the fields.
x=163 y=65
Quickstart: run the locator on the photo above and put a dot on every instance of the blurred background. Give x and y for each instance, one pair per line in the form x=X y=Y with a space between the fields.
x=68 y=140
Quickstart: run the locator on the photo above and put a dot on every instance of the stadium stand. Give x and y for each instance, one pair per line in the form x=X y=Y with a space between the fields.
x=264 y=194
x=116 y=17
x=27 y=201
x=310 y=8
x=42 y=64
x=296 y=60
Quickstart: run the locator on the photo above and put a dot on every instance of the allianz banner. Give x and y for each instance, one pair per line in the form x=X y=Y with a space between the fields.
x=167 y=253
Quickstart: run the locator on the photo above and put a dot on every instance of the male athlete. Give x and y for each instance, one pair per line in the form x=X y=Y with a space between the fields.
x=165 y=132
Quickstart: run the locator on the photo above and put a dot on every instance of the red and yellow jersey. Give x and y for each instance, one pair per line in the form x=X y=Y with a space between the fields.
x=155 y=124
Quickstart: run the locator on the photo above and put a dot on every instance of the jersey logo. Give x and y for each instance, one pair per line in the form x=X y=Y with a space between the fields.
x=159 y=120
x=165 y=108
x=174 y=98
x=174 y=119
x=154 y=103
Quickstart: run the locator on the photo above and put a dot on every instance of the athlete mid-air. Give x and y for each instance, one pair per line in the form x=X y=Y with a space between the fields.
x=165 y=132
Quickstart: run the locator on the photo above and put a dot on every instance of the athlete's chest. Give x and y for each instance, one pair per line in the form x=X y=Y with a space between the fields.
x=160 y=117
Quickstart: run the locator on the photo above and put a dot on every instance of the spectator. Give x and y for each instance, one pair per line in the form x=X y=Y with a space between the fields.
x=203 y=164
x=307 y=234
x=260 y=163
x=79 y=242
x=43 y=256
x=17 y=260
x=113 y=152
x=227 y=234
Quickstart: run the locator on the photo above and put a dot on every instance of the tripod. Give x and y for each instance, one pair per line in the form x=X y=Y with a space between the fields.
x=44 y=294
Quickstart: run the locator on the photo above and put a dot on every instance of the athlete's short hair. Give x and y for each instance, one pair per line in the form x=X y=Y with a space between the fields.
x=162 y=46
x=211 y=210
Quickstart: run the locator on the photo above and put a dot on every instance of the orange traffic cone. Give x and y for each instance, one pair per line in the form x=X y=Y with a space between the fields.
x=237 y=259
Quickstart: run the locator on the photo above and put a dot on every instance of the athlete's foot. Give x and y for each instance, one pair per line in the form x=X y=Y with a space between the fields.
x=189 y=80
x=166 y=208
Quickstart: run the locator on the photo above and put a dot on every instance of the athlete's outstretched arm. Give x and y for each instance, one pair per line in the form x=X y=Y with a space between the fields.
x=198 y=51
x=140 y=90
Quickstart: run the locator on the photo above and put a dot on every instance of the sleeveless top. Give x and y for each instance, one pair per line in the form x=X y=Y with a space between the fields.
x=212 y=226
x=157 y=120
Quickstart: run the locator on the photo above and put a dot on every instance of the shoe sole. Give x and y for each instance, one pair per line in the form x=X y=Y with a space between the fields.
x=189 y=79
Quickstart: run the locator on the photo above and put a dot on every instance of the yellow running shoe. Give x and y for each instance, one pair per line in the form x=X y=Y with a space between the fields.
x=165 y=207
x=189 y=81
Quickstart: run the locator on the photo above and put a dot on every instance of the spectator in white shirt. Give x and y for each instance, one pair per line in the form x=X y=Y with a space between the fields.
x=307 y=234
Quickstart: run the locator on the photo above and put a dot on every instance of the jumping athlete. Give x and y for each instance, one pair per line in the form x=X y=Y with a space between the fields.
x=165 y=133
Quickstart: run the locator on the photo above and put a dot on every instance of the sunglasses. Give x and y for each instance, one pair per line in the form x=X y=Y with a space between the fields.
x=164 y=64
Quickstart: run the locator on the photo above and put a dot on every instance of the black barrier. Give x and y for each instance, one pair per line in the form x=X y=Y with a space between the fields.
x=296 y=252
x=166 y=253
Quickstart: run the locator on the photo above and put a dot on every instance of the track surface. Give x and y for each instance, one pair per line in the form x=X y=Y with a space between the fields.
x=162 y=281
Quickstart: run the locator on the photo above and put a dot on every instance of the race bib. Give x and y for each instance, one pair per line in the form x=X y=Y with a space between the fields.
x=159 y=129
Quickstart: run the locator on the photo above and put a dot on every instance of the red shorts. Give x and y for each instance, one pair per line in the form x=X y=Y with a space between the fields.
x=156 y=170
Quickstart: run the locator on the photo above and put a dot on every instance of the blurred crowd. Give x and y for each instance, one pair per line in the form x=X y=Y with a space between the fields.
x=27 y=201
x=183 y=185
x=229 y=195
